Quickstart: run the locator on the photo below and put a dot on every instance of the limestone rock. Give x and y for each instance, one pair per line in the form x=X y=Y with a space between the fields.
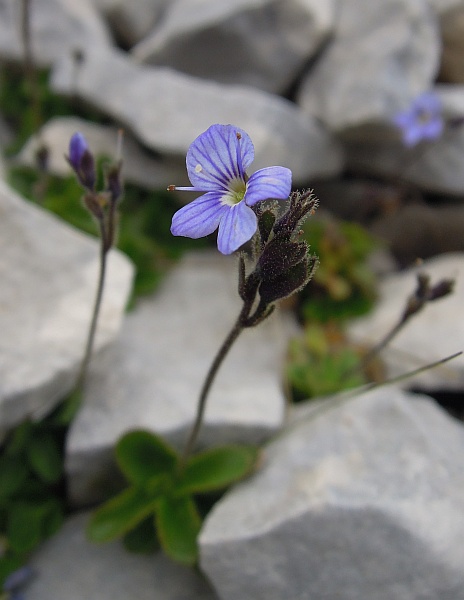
x=131 y=21
x=357 y=500
x=452 y=31
x=49 y=277
x=433 y=334
x=441 y=7
x=58 y=27
x=421 y=230
x=69 y=567
x=385 y=52
x=139 y=166
x=433 y=166
x=262 y=43
x=152 y=376
x=168 y=110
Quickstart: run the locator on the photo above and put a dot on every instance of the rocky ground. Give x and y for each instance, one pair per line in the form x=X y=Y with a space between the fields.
x=357 y=497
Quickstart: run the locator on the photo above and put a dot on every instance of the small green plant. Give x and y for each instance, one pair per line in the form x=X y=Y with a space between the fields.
x=163 y=483
x=319 y=361
x=344 y=285
x=31 y=490
x=159 y=500
x=18 y=110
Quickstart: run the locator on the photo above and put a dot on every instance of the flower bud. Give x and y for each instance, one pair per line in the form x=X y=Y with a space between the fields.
x=82 y=161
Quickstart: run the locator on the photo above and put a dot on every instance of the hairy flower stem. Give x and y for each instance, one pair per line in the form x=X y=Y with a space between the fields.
x=415 y=303
x=104 y=248
x=239 y=326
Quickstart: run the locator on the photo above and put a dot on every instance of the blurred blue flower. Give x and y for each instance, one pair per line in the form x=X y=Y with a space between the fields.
x=82 y=161
x=15 y=581
x=216 y=164
x=422 y=120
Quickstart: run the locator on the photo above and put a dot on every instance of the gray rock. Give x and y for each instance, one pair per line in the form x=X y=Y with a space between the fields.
x=452 y=26
x=384 y=53
x=358 y=500
x=68 y=567
x=49 y=276
x=168 y=110
x=433 y=334
x=262 y=43
x=452 y=30
x=131 y=21
x=58 y=27
x=441 y=7
x=152 y=376
x=139 y=166
x=421 y=230
x=433 y=165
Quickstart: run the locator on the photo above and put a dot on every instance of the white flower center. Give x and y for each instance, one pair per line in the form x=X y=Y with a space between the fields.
x=235 y=193
x=424 y=116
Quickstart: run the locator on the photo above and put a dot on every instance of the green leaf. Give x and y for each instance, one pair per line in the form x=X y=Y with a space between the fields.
x=44 y=456
x=9 y=564
x=120 y=514
x=178 y=524
x=13 y=474
x=28 y=523
x=68 y=409
x=24 y=526
x=19 y=439
x=142 y=539
x=52 y=516
x=216 y=469
x=142 y=455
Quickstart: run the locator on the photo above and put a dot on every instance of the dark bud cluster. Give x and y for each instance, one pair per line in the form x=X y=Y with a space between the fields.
x=425 y=292
x=283 y=262
x=102 y=205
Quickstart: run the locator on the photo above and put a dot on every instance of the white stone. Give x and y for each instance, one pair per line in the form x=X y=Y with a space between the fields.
x=49 y=277
x=431 y=335
x=434 y=165
x=152 y=376
x=262 y=43
x=168 y=110
x=139 y=166
x=357 y=500
x=70 y=567
x=441 y=7
x=452 y=30
x=384 y=53
x=58 y=27
x=131 y=21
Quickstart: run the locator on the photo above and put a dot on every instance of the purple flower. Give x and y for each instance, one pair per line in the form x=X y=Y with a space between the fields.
x=422 y=121
x=82 y=161
x=216 y=164
x=77 y=148
x=15 y=580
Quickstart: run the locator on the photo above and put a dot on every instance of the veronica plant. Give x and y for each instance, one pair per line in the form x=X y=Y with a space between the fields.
x=159 y=499
x=422 y=120
x=103 y=206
